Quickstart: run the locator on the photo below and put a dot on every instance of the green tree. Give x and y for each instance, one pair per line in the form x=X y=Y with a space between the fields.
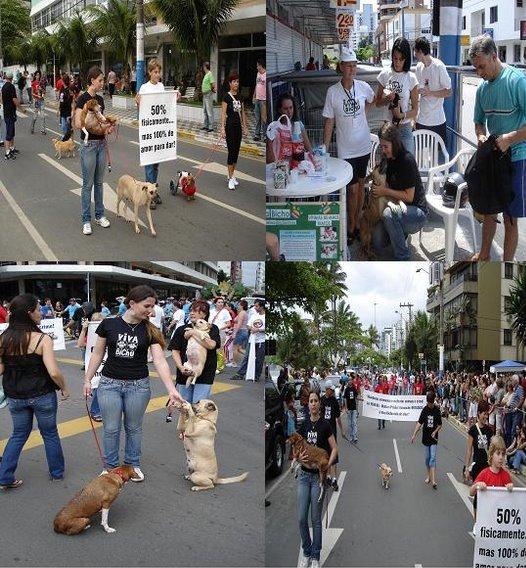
x=15 y=26
x=222 y=276
x=422 y=337
x=296 y=346
x=340 y=331
x=372 y=336
x=516 y=306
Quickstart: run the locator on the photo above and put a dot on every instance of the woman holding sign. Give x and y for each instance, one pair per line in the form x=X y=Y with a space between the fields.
x=30 y=378
x=233 y=125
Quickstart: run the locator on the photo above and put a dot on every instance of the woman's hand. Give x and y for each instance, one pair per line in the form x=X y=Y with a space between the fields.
x=482 y=486
x=189 y=333
x=65 y=392
x=184 y=371
x=223 y=132
x=378 y=190
x=509 y=486
x=396 y=113
x=175 y=398
x=86 y=391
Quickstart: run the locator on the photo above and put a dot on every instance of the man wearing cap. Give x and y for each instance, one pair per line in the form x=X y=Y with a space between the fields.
x=10 y=103
x=330 y=410
x=346 y=104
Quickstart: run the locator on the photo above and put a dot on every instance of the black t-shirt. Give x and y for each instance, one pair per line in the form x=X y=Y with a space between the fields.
x=330 y=410
x=21 y=82
x=233 y=110
x=481 y=443
x=350 y=394
x=317 y=434
x=402 y=173
x=8 y=94
x=430 y=419
x=65 y=102
x=127 y=349
x=81 y=101
x=179 y=343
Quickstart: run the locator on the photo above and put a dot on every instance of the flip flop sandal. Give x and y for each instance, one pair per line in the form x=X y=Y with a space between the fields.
x=14 y=485
x=427 y=480
x=434 y=485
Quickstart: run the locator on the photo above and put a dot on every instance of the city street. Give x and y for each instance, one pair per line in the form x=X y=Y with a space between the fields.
x=159 y=522
x=408 y=525
x=40 y=204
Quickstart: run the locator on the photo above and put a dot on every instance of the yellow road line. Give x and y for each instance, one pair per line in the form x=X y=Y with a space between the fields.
x=81 y=425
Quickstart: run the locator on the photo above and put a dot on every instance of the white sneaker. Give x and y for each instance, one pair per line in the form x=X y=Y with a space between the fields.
x=86 y=229
x=103 y=222
x=315 y=563
x=304 y=561
x=235 y=180
x=138 y=472
x=231 y=183
x=103 y=472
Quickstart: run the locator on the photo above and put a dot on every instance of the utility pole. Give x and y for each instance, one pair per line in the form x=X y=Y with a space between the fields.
x=140 y=44
x=410 y=307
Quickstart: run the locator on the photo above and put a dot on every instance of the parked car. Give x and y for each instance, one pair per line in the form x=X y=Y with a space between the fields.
x=275 y=430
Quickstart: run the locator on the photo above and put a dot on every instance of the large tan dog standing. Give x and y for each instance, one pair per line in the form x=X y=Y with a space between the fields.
x=139 y=194
x=97 y=495
x=197 y=423
x=196 y=353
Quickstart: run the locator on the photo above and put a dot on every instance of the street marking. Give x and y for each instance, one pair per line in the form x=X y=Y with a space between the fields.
x=462 y=490
x=233 y=209
x=46 y=251
x=418 y=565
x=80 y=425
x=62 y=168
x=398 y=462
x=275 y=485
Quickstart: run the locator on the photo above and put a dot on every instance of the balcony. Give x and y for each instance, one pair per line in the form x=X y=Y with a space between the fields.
x=389 y=4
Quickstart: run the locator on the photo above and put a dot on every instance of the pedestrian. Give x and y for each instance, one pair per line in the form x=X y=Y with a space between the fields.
x=399 y=80
x=500 y=109
x=403 y=183
x=431 y=423
x=178 y=345
x=66 y=106
x=38 y=97
x=133 y=80
x=31 y=378
x=46 y=310
x=513 y=415
x=58 y=309
x=208 y=88
x=59 y=85
x=10 y=103
x=176 y=320
x=21 y=84
x=104 y=310
x=220 y=316
x=330 y=410
x=156 y=319
x=29 y=79
x=124 y=387
x=92 y=155
x=310 y=65
x=233 y=126
x=434 y=85
x=240 y=332
x=382 y=387
x=516 y=453
x=350 y=401
x=477 y=444
x=260 y=101
x=256 y=340
x=317 y=432
x=112 y=80
x=346 y=104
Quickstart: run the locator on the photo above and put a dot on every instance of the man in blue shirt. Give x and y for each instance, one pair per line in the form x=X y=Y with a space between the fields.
x=500 y=104
x=122 y=305
x=47 y=310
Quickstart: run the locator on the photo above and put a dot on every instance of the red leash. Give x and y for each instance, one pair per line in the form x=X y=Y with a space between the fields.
x=212 y=152
x=104 y=465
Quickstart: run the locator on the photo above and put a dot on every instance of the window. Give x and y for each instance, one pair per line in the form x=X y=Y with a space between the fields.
x=483 y=19
x=493 y=14
x=507 y=301
x=508 y=270
x=519 y=3
x=507 y=337
x=517 y=53
x=502 y=53
x=463 y=22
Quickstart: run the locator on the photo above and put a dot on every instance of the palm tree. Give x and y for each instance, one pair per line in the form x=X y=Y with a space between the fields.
x=196 y=25
x=422 y=338
x=372 y=336
x=516 y=306
x=116 y=25
x=15 y=26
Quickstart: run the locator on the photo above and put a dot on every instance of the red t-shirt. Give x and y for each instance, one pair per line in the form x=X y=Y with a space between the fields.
x=35 y=88
x=3 y=315
x=419 y=387
x=491 y=479
x=59 y=85
x=382 y=388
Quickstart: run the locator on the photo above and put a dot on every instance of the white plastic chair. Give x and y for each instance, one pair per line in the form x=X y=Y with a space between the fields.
x=427 y=146
x=374 y=148
x=450 y=215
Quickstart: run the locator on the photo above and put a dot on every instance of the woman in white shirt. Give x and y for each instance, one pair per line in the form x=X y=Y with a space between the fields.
x=400 y=81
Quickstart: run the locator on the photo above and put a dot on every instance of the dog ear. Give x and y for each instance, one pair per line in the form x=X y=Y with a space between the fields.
x=145 y=188
x=211 y=407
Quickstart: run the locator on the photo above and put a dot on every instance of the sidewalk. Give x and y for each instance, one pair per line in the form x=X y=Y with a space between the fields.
x=186 y=129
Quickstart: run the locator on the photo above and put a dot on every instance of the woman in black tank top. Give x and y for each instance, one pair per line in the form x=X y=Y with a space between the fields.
x=30 y=380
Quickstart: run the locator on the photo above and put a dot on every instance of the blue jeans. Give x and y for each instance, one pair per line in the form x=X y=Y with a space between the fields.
x=352 y=416
x=406 y=135
x=22 y=411
x=518 y=459
x=308 y=494
x=431 y=455
x=194 y=393
x=208 y=110
x=260 y=359
x=65 y=124
x=92 y=162
x=511 y=420
x=117 y=398
x=261 y=127
x=151 y=171
x=94 y=408
x=396 y=226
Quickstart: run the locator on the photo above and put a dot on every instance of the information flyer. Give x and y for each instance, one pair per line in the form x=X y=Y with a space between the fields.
x=403 y=408
x=53 y=327
x=158 y=128
x=306 y=231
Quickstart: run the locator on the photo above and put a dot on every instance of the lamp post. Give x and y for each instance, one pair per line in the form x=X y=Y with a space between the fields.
x=140 y=44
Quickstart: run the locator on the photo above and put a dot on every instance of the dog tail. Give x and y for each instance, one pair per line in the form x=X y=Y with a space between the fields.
x=236 y=479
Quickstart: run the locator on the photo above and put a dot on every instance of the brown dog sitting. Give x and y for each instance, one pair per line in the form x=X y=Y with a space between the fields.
x=317 y=458
x=97 y=495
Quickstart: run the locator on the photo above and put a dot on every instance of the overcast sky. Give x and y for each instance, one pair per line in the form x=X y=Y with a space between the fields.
x=388 y=284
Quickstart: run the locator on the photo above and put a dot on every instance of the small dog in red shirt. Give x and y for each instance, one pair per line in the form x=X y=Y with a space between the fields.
x=185 y=184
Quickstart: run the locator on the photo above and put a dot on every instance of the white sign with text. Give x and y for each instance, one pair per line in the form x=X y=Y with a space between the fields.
x=158 y=128
x=403 y=408
x=53 y=327
x=91 y=339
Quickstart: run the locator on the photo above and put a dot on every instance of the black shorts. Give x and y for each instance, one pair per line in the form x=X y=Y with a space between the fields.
x=359 y=167
x=9 y=128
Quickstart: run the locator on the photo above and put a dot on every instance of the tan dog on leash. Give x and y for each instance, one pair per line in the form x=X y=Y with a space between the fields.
x=139 y=194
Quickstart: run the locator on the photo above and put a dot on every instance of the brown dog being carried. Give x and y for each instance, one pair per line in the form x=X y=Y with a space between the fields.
x=92 y=121
x=195 y=352
x=317 y=458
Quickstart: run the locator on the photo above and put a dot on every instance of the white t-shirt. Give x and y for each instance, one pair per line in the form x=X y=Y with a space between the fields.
x=220 y=318
x=402 y=83
x=178 y=318
x=257 y=320
x=157 y=318
x=151 y=88
x=436 y=78
x=347 y=107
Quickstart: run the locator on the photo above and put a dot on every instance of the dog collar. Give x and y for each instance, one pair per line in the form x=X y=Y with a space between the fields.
x=119 y=473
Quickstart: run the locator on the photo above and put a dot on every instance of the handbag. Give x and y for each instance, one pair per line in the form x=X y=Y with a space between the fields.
x=281 y=136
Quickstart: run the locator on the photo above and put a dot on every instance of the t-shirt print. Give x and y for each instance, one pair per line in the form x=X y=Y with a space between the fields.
x=351 y=106
x=312 y=437
x=482 y=441
x=430 y=421
x=236 y=105
x=126 y=345
x=328 y=412
x=395 y=86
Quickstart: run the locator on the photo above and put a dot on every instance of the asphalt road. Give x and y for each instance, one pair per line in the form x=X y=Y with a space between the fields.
x=159 y=522
x=409 y=525
x=40 y=205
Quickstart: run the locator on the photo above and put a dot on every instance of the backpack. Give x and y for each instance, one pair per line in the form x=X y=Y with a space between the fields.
x=489 y=178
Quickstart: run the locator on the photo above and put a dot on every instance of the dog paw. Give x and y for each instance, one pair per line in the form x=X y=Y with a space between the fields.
x=110 y=530
x=137 y=230
x=154 y=234
x=195 y=488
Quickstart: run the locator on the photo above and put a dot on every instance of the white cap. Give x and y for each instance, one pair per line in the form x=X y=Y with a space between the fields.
x=348 y=55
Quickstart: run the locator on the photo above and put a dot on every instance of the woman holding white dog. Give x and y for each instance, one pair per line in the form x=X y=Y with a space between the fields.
x=124 y=387
x=402 y=184
x=199 y=310
x=318 y=432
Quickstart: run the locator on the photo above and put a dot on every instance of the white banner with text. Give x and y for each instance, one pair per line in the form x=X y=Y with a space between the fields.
x=403 y=408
